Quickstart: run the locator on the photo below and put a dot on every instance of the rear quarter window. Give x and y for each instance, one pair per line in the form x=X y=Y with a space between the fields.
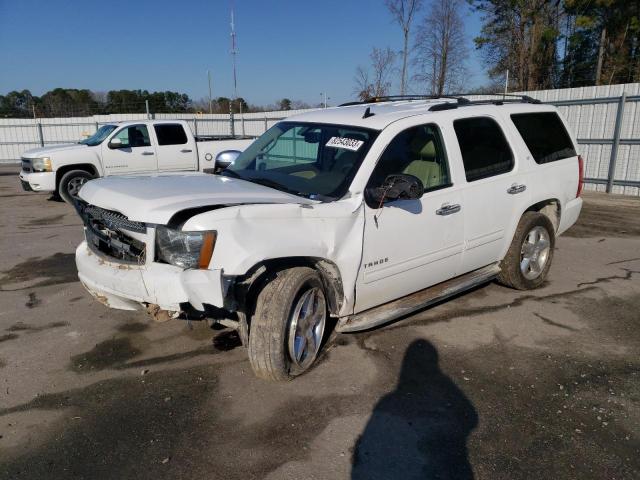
x=545 y=136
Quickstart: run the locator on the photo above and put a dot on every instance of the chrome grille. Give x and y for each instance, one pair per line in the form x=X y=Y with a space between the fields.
x=114 y=220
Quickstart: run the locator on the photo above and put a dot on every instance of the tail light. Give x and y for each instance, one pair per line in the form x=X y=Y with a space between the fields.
x=580 y=175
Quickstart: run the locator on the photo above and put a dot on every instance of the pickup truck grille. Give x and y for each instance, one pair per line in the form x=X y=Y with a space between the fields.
x=105 y=235
x=27 y=167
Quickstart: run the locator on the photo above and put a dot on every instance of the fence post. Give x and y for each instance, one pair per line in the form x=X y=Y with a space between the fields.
x=195 y=126
x=97 y=126
x=616 y=142
x=243 y=133
x=40 y=135
x=232 y=124
x=146 y=105
x=266 y=125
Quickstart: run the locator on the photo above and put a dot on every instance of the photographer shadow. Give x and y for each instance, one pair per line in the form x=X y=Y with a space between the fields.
x=420 y=429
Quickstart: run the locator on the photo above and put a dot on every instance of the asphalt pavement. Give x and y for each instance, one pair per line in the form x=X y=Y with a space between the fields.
x=493 y=384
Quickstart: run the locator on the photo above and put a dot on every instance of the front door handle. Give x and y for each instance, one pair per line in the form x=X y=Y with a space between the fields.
x=448 y=209
x=186 y=150
x=515 y=188
x=147 y=153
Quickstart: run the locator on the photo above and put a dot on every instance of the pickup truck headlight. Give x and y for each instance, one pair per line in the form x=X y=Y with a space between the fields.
x=42 y=164
x=185 y=249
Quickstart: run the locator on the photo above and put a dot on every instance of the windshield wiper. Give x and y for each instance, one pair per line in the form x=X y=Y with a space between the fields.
x=273 y=184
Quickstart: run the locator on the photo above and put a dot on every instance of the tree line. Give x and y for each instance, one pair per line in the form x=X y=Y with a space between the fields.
x=70 y=102
x=542 y=44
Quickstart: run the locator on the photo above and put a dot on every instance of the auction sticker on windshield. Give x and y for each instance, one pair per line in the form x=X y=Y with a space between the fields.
x=346 y=143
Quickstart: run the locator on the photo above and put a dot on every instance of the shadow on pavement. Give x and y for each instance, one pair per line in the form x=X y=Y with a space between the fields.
x=420 y=429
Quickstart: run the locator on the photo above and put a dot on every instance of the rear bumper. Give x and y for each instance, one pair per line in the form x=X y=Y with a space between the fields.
x=131 y=287
x=38 y=182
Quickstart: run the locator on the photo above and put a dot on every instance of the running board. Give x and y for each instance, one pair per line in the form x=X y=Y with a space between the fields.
x=382 y=314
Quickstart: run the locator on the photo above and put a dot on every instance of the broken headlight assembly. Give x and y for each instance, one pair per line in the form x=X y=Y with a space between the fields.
x=185 y=249
x=42 y=164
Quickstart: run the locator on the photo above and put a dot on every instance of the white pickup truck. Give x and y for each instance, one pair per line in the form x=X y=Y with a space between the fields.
x=122 y=148
x=363 y=213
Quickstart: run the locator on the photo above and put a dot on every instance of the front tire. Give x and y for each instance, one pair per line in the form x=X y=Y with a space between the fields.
x=527 y=262
x=288 y=324
x=71 y=183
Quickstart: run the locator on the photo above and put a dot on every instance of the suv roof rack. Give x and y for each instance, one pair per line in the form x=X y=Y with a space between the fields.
x=400 y=98
x=461 y=100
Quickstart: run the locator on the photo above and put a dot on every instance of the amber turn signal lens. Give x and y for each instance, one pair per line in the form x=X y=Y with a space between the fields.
x=206 y=252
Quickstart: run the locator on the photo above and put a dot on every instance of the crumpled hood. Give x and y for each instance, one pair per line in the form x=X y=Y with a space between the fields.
x=44 y=151
x=156 y=198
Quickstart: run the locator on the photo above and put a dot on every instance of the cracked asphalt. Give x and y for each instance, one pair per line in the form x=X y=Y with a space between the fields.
x=493 y=384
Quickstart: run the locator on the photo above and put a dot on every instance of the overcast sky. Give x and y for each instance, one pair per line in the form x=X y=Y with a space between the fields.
x=296 y=49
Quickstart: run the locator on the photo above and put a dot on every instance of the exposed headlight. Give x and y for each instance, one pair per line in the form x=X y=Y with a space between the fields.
x=42 y=164
x=185 y=249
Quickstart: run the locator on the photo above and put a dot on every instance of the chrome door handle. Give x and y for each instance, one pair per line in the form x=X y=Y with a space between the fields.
x=515 y=188
x=447 y=209
x=147 y=153
x=186 y=150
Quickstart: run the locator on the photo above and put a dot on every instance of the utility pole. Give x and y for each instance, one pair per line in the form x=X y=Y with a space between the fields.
x=210 y=99
x=234 y=52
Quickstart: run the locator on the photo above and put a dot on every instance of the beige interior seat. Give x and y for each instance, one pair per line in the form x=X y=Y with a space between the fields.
x=425 y=166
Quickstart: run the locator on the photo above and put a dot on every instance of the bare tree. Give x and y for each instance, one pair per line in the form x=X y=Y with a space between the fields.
x=382 y=63
x=375 y=82
x=363 y=89
x=403 y=13
x=440 y=48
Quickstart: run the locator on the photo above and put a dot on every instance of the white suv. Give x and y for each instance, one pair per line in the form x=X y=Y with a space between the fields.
x=363 y=213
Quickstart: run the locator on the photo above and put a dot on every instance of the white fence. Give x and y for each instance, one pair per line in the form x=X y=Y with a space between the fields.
x=605 y=120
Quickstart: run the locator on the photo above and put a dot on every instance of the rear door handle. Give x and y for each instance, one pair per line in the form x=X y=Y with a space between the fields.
x=515 y=188
x=186 y=150
x=147 y=153
x=447 y=209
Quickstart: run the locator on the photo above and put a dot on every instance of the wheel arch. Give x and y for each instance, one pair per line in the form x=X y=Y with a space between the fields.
x=551 y=208
x=85 y=167
x=264 y=270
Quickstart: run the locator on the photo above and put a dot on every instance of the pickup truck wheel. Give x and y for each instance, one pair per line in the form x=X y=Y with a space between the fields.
x=528 y=260
x=287 y=327
x=71 y=182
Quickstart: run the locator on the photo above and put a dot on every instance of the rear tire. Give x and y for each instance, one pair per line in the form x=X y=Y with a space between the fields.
x=71 y=182
x=287 y=327
x=527 y=262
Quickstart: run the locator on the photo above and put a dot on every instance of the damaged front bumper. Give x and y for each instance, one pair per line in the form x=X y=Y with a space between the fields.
x=132 y=287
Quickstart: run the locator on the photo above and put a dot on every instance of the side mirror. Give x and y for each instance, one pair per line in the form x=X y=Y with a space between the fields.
x=226 y=158
x=115 y=143
x=397 y=187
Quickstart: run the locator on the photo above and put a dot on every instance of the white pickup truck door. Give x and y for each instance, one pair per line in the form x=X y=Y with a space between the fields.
x=135 y=155
x=410 y=245
x=496 y=191
x=176 y=149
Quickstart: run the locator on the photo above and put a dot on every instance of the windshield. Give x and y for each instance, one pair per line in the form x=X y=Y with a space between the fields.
x=312 y=160
x=99 y=136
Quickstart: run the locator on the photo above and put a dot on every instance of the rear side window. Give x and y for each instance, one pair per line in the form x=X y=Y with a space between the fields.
x=170 y=134
x=485 y=151
x=545 y=136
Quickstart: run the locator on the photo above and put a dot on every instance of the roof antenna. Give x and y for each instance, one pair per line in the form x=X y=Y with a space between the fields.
x=367 y=113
